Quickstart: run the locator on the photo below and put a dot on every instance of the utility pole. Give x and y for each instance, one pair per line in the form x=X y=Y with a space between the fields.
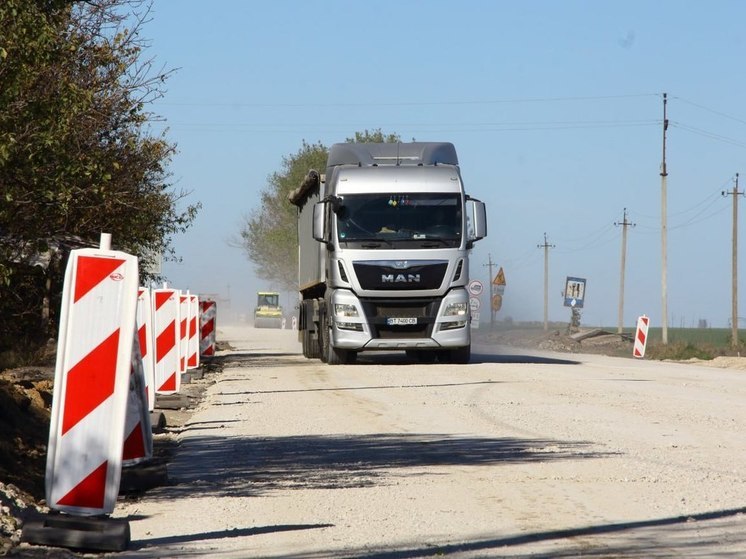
x=624 y=224
x=492 y=287
x=546 y=246
x=664 y=233
x=734 y=276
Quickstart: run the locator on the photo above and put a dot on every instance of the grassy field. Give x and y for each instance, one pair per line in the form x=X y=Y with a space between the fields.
x=705 y=343
x=683 y=343
x=717 y=337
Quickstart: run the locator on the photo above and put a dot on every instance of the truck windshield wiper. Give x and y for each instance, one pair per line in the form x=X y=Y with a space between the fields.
x=369 y=242
x=432 y=243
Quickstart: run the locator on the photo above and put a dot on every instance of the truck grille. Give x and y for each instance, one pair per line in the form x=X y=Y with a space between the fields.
x=392 y=275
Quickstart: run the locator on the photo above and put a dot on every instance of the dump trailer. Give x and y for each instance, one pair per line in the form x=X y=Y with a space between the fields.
x=268 y=312
x=384 y=239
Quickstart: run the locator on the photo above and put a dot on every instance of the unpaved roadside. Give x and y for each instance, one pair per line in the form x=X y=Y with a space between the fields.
x=550 y=455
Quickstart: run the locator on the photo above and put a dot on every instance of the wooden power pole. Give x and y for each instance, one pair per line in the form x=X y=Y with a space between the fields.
x=664 y=233
x=734 y=276
x=490 y=264
x=546 y=246
x=624 y=224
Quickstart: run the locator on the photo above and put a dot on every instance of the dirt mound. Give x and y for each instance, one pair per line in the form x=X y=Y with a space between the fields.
x=592 y=340
x=25 y=405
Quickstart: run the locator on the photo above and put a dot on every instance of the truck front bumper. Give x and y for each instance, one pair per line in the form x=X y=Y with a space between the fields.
x=351 y=329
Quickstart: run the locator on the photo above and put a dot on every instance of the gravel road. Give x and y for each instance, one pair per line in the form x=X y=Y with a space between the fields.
x=514 y=455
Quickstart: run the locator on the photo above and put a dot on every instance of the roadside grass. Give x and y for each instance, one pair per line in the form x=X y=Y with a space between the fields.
x=688 y=343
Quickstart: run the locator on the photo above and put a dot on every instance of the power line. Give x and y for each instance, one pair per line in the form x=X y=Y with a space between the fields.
x=707 y=134
x=594 y=239
x=713 y=111
x=407 y=103
x=539 y=126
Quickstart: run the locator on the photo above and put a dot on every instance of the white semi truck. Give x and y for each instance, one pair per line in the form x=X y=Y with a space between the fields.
x=384 y=241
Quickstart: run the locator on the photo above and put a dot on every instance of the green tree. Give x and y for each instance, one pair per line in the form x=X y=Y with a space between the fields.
x=77 y=157
x=269 y=236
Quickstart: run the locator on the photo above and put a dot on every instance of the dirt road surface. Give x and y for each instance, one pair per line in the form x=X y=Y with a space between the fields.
x=513 y=455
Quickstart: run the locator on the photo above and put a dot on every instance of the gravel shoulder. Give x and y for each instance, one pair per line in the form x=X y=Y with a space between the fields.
x=514 y=455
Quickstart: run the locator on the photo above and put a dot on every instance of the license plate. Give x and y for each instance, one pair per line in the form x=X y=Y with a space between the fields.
x=401 y=321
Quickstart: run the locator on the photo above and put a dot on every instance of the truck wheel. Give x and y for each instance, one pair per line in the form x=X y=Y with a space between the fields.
x=333 y=355
x=312 y=345
x=330 y=354
x=306 y=344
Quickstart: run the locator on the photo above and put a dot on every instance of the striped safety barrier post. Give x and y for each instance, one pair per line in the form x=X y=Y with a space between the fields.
x=165 y=329
x=207 y=321
x=145 y=340
x=138 y=433
x=92 y=373
x=193 y=341
x=183 y=330
x=641 y=337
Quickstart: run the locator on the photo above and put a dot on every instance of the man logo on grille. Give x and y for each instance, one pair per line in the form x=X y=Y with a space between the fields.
x=400 y=278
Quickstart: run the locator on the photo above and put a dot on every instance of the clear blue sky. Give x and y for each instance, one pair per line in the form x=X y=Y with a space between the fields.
x=555 y=109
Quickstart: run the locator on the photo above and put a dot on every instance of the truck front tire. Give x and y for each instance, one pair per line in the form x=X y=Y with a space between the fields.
x=330 y=354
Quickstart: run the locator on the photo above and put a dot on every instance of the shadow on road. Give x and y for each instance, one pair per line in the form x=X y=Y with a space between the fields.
x=519 y=358
x=148 y=546
x=245 y=466
x=351 y=388
x=479 y=355
x=660 y=538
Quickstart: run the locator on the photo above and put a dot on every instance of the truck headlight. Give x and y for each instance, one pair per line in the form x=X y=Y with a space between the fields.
x=345 y=310
x=456 y=309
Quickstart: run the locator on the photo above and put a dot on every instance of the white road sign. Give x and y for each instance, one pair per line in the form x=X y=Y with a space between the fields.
x=475 y=287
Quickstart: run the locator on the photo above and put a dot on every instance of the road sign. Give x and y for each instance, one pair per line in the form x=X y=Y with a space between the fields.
x=499 y=278
x=474 y=304
x=497 y=302
x=475 y=287
x=574 y=292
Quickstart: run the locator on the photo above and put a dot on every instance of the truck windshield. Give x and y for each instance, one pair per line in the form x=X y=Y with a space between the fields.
x=392 y=217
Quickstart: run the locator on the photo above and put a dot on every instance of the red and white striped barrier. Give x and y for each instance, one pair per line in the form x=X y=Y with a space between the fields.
x=193 y=338
x=207 y=318
x=138 y=433
x=94 y=352
x=641 y=337
x=165 y=329
x=183 y=330
x=145 y=339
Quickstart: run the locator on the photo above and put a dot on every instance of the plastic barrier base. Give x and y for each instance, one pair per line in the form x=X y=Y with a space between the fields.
x=157 y=421
x=142 y=477
x=196 y=374
x=77 y=532
x=171 y=401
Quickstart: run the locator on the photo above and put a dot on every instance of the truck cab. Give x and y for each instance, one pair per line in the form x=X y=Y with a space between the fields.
x=384 y=241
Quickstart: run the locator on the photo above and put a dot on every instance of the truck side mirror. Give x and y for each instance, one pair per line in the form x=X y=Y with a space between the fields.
x=476 y=220
x=320 y=231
